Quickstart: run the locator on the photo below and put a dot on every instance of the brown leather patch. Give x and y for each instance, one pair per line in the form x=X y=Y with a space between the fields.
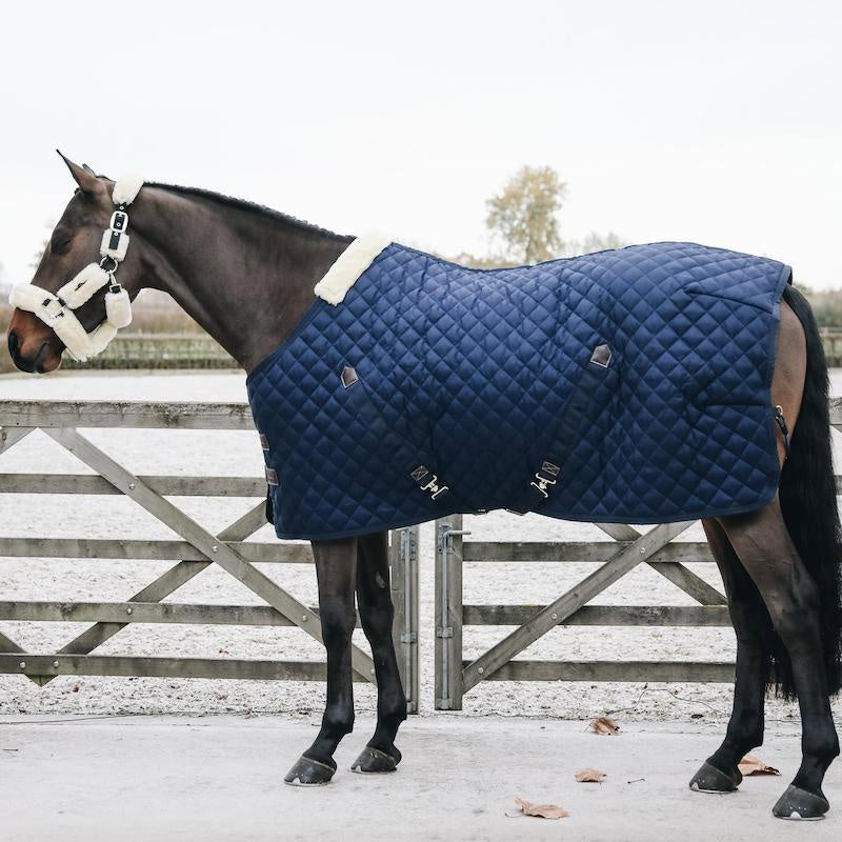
x=271 y=476
x=601 y=355
x=349 y=376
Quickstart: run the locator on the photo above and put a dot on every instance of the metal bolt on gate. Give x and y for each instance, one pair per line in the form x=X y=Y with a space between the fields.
x=448 y=660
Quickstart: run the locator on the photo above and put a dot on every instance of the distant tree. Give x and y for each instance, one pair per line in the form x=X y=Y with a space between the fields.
x=595 y=242
x=36 y=258
x=490 y=261
x=523 y=216
x=826 y=305
x=600 y=242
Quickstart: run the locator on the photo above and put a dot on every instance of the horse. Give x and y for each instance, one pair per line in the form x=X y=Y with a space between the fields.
x=246 y=274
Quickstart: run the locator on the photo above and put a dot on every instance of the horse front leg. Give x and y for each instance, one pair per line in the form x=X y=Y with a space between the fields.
x=377 y=615
x=752 y=626
x=336 y=563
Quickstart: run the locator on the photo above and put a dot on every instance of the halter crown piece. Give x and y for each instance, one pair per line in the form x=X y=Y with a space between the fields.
x=56 y=309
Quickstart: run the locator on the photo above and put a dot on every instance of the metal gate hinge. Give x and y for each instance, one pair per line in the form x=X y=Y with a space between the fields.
x=447 y=631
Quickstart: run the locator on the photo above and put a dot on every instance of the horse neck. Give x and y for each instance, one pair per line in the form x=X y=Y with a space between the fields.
x=244 y=275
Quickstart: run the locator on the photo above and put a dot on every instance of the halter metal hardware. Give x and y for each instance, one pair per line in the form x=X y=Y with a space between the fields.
x=119 y=221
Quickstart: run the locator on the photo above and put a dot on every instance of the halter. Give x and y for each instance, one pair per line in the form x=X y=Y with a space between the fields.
x=56 y=310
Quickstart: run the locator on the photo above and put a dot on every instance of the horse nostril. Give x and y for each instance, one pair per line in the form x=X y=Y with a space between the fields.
x=14 y=344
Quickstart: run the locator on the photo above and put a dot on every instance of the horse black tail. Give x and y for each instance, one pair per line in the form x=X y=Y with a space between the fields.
x=808 y=501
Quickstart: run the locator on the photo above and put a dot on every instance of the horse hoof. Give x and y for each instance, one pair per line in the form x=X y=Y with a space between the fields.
x=309 y=772
x=373 y=761
x=711 y=779
x=798 y=804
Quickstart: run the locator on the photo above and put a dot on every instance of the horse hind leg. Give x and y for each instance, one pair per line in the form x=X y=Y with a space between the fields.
x=377 y=615
x=792 y=598
x=336 y=563
x=753 y=628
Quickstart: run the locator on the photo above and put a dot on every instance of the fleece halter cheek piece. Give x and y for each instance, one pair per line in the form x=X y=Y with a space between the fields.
x=56 y=310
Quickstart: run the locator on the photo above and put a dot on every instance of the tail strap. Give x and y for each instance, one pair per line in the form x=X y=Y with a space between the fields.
x=781 y=422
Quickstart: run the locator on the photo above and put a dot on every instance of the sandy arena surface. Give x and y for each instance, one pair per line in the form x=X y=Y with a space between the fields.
x=226 y=453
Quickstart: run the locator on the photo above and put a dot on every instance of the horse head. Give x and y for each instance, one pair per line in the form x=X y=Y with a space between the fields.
x=42 y=327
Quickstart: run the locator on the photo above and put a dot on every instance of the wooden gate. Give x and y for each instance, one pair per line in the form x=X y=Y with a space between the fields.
x=198 y=548
x=629 y=546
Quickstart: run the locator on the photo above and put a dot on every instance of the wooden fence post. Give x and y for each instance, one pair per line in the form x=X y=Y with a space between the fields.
x=403 y=560
x=448 y=590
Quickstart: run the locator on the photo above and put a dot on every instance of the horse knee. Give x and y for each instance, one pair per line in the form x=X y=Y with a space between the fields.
x=338 y=620
x=377 y=618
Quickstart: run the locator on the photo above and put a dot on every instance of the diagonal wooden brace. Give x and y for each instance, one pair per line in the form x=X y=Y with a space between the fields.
x=10 y=436
x=681 y=576
x=204 y=541
x=162 y=587
x=583 y=592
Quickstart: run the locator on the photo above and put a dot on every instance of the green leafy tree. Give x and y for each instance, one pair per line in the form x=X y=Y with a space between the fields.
x=523 y=217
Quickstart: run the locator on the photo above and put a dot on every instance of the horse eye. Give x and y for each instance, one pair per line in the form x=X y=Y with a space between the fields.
x=60 y=241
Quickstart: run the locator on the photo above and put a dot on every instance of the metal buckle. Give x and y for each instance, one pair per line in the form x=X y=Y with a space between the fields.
x=55 y=303
x=434 y=488
x=113 y=264
x=432 y=485
x=544 y=483
x=119 y=220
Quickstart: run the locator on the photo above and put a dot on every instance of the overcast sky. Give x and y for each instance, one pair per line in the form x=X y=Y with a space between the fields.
x=716 y=122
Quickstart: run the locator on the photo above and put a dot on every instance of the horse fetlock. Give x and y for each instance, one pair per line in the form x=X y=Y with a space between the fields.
x=391 y=707
x=338 y=721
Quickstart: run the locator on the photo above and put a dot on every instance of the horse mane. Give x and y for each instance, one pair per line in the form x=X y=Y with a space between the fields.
x=250 y=207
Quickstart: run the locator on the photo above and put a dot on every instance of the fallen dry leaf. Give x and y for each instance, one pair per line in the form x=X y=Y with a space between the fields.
x=751 y=765
x=590 y=775
x=605 y=726
x=542 y=811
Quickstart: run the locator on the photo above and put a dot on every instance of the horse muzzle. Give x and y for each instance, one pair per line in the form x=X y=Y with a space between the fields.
x=33 y=346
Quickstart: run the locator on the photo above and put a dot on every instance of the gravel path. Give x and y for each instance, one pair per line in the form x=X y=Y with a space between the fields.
x=187 y=452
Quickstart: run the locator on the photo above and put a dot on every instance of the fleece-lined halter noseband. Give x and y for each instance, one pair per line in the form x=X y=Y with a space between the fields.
x=56 y=310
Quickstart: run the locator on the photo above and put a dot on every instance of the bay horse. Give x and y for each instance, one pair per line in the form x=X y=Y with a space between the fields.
x=246 y=275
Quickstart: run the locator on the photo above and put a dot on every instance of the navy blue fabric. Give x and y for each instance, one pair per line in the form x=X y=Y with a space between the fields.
x=481 y=376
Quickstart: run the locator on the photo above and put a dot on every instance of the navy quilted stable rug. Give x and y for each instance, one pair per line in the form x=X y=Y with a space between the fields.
x=629 y=385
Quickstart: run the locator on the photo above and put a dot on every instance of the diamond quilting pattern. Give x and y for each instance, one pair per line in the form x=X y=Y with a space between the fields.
x=470 y=373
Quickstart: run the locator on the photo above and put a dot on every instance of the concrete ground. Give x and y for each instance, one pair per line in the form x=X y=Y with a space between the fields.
x=220 y=778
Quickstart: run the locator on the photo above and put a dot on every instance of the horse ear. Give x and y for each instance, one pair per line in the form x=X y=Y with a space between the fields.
x=88 y=183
